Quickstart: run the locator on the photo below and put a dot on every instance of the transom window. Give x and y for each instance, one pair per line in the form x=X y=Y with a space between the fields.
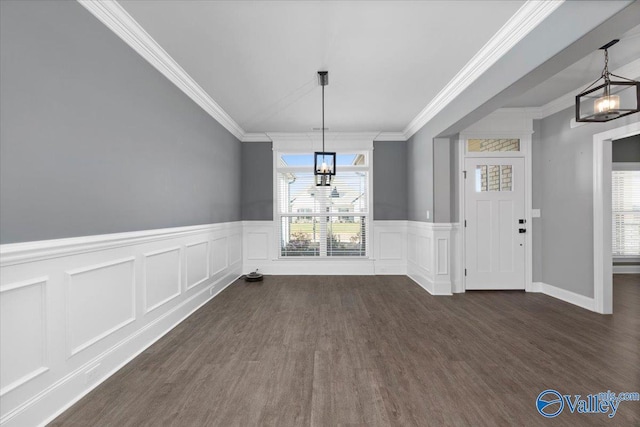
x=487 y=145
x=322 y=221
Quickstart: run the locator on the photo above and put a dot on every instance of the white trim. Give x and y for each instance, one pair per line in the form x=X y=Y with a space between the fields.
x=72 y=351
x=116 y=18
x=44 y=356
x=391 y=136
x=17 y=253
x=529 y=16
x=564 y=295
x=377 y=136
x=256 y=137
x=145 y=284
x=429 y=251
x=207 y=265
x=602 y=258
x=312 y=141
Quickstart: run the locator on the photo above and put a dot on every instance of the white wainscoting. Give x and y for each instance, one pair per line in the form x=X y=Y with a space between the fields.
x=74 y=311
x=390 y=247
x=387 y=247
x=429 y=261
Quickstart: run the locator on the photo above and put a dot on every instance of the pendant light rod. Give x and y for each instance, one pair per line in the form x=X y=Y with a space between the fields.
x=323 y=79
x=324 y=163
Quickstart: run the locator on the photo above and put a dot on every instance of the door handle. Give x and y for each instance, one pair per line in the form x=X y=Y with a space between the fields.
x=522 y=230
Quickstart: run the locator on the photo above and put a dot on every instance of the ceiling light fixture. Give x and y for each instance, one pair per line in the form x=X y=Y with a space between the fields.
x=610 y=99
x=324 y=163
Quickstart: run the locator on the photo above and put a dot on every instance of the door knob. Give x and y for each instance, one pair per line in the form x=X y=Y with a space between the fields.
x=522 y=230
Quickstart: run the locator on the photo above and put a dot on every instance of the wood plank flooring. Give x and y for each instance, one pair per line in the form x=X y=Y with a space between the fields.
x=374 y=351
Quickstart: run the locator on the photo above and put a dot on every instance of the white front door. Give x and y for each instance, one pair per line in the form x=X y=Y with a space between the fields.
x=495 y=223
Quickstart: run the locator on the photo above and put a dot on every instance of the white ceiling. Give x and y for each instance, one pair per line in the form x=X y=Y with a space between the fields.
x=258 y=59
x=582 y=73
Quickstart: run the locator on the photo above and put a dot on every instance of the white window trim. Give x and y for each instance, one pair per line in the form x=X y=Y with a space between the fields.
x=309 y=143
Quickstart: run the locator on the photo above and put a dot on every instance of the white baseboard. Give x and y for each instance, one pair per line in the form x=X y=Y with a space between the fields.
x=626 y=269
x=139 y=286
x=564 y=295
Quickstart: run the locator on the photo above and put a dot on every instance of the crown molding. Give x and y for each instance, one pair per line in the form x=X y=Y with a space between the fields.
x=391 y=136
x=529 y=16
x=256 y=137
x=630 y=70
x=111 y=14
x=118 y=20
x=328 y=136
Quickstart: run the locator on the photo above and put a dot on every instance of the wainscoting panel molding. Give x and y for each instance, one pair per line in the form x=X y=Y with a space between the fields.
x=100 y=300
x=74 y=311
x=390 y=247
x=24 y=350
x=161 y=277
x=429 y=261
x=197 y=263
x=387 y=247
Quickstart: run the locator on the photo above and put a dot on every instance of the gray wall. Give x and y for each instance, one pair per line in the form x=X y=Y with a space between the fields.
x=257 y=181
x=626 y=149
x=536 y=200
x=420 y=176
x=442 y=194
x=563 y=189
x=95 y=140
x=389 y=180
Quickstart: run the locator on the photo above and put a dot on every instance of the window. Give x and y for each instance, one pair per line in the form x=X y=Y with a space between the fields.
x=494 y=178
x=626 y=210
x=322 y=221
x=492 y=145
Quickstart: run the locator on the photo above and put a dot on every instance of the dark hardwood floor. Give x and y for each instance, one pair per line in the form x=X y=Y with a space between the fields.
x=374 y=351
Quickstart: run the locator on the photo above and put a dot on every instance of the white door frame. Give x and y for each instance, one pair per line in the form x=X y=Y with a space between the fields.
x=602 y=258
x=525 y=152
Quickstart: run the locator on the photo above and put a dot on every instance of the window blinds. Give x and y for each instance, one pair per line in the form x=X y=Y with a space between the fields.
x=626 y=213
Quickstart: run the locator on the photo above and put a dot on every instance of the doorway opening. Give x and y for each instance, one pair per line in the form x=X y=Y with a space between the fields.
x=495 y=207
x=602 y=214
